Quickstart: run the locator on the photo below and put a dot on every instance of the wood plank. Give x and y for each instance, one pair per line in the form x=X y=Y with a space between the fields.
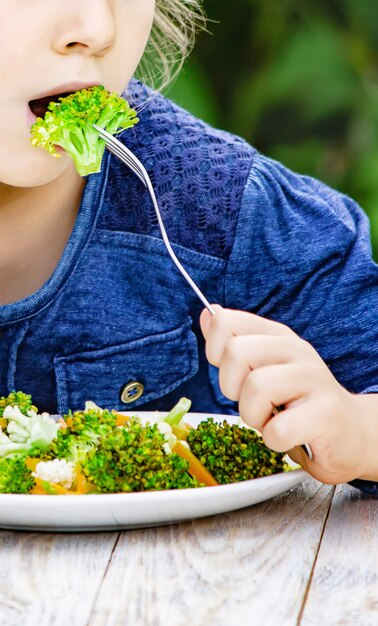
x=51 y=579
x=241 y=568
x=344 y=588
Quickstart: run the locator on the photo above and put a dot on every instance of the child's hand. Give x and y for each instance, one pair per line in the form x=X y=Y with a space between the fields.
x=264 y=364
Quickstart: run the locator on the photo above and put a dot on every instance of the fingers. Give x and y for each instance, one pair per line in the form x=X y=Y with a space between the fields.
x=217 y=331
x=263 y=364
x=264 y=389
x=301 y=389
x=292 y=428
x=241 y=355
x=226 y=323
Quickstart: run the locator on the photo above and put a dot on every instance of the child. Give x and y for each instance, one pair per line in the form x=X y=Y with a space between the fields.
x=92 y=307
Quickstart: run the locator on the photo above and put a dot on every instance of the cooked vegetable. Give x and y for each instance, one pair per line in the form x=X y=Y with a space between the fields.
x=17 y=398
x=195 y=468
x=45 y=488
x=233 y=453
x=132 y=458
x=57 y=477
x=81 y=433
x=25 y=433
x=176 y=414
x=58 y=471
x=102 y=451
x=69 y=123
x=15 y=476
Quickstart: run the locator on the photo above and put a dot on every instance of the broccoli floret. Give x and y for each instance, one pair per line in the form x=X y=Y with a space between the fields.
x=25 y=434
x=233 y=453
x=69 y=123
x=15 y=476
x=81 y=434
x=91 y=422
x=132 y=458
x=17 y=398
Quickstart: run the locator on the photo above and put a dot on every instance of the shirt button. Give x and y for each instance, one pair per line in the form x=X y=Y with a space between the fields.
x=132 y=391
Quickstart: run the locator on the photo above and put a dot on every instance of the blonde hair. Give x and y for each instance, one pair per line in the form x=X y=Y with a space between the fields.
x=172 y=38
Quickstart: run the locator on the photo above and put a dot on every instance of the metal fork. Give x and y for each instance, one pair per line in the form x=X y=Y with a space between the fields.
x=126 y=156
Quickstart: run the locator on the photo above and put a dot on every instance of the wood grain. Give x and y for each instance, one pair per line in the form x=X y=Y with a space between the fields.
x=238 y=569
x=51 y=579
x=344 y=588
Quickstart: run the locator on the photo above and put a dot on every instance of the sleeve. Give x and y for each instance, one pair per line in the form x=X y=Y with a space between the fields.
x=302 y=256
x=367 y=486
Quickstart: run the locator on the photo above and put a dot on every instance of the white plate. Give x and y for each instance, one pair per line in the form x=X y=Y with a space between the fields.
x=136 y=510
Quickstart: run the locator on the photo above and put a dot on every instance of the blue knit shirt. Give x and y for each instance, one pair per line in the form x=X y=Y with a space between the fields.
x=252 y=234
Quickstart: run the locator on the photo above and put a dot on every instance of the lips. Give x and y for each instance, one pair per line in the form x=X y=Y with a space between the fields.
x=39 y=105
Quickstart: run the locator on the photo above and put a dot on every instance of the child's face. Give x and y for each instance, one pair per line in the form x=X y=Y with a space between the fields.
x=60 y=45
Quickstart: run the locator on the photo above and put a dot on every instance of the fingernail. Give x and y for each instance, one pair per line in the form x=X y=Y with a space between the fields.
x=205 y=321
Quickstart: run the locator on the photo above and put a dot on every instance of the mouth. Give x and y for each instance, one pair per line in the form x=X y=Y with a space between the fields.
x=39 y=106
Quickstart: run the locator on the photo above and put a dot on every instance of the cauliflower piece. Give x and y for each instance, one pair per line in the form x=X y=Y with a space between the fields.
x=91 y=406
x=25 y=432
x=164 y=428
x=170 y=438
x=58 y=471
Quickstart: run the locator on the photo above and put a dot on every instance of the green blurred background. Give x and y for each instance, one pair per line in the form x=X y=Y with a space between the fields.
x=297 y=79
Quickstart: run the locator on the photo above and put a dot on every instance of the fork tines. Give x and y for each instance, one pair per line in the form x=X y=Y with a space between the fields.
x=119 y=150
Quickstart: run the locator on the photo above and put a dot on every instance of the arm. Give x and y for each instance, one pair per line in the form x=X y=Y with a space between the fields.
x=263 y=364
x=302 y=257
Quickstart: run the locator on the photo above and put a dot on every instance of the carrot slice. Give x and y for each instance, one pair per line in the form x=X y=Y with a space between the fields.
x=43 y=487
x=196 y=468
x=82 y=484
x=31 y=463
x=38 y=491
x=180 y=432
x=121 y=419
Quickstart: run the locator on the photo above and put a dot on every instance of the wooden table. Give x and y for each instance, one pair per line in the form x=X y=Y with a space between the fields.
x=308 y=558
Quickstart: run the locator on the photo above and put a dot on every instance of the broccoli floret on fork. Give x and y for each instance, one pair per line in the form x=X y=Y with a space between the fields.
x=68 y=123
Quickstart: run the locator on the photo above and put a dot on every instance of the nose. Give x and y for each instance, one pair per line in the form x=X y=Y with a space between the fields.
x=85 y=26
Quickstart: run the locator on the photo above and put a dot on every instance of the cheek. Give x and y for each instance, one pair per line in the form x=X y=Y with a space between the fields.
x=25 y=177
x=134 y=23
x=19 y=40
x=22 y=165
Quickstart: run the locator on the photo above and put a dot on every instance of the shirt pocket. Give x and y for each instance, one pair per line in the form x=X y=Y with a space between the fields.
x=159 y=362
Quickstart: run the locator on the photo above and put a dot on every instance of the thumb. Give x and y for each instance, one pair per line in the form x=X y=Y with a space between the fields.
x=206 y=318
